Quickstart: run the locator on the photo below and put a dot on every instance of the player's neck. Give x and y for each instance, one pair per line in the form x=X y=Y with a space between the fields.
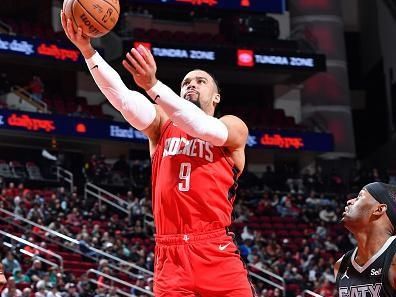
x=369 y=243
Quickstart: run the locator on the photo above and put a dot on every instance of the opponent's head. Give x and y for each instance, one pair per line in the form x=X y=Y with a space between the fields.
x=201 y=88
x=375 y=204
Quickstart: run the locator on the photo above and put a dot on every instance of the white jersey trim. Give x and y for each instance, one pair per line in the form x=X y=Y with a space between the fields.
x=359 y=268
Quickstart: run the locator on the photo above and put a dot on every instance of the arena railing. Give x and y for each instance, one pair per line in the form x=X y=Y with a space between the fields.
x=102 y=195
x=119 y=281
x=105 y=196
x=119 y=291
x=25 y=95
x=25 y=242
x=65 y=175
x=100 y=254
x=310 y=293
x=281 y=286
x=148 y=220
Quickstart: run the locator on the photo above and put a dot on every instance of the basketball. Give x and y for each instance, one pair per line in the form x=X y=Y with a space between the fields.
x=95 y=17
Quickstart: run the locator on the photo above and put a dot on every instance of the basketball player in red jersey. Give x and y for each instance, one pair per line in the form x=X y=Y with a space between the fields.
x=196 y=160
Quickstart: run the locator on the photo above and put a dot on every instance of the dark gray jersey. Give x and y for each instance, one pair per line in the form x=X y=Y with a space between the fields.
x=370 y=280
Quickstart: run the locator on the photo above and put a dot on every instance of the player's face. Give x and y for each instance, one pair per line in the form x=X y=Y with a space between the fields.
x=199 y=88
x=358 y=211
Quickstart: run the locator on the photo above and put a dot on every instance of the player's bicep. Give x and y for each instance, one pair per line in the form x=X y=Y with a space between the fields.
x=237 y=132
x=154 y=130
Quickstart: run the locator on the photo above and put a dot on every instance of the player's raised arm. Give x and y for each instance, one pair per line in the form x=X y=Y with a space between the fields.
x=134 y=106
x=228 y=131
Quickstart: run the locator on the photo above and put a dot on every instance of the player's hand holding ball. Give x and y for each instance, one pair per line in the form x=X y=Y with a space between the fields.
x=95 y=17
x=85 y=19
x=81 y=41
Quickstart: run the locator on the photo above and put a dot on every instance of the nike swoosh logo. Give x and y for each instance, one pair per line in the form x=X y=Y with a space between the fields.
x=223 y=247
x=156 y=97
x=96 y=66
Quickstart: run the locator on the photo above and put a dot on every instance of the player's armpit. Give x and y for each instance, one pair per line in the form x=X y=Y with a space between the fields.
x=153 y=131
x=238 y=132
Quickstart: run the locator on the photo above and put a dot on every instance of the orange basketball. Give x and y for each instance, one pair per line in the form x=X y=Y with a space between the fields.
x=95 y=17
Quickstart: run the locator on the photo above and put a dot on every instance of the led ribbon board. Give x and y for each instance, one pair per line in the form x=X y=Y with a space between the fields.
x=101 y=129
x=271 y=6
x=38 y=48
x=241 y=58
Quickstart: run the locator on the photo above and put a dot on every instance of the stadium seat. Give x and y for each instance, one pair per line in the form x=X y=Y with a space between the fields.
x=18 y=170
x=5 y=170
x=33 y=171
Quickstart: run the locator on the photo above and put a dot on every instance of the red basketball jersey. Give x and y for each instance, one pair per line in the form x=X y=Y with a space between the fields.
x=194 y=184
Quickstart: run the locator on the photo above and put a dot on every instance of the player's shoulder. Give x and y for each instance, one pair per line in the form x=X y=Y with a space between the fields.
x=231 y=120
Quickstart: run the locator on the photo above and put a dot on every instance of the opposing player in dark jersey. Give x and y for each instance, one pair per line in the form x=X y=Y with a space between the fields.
x=370 y=269
x=196 y=160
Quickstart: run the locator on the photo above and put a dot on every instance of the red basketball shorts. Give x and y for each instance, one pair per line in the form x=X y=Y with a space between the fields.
x=200 y=264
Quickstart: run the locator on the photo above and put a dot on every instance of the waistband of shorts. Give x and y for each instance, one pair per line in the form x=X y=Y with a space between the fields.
x=189 y=237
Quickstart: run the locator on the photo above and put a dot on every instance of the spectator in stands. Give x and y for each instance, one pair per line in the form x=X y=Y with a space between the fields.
x=330 y=245
x=103 y=281
x=74 y=218
x=11 y=289
x=257 y=262
x=27 y=292
x=56 y=209
x=121 y=169
x=52 y=274
x=61 y=193
x=52 y=291
x=264 y=206
x=41 y=289
x=10 y=264
x=286 y=208
x=295 y=185
x=19 y=277
x=36 y=272
x=292 y=275
x=102 y=171
x=247 y=234
x=90 y=168
x=139 y=283
x=59 y=227
x=240 y=212
x=100 y=292
x=35 y=213
x=328 y=215
x=71 y=291
x=326 y=289
x=36 y=87
x=84 y=286
x=19 y=207
x=134 y=206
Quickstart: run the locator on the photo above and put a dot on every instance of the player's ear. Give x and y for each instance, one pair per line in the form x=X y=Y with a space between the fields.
x=217 y=98
x=380 y=209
